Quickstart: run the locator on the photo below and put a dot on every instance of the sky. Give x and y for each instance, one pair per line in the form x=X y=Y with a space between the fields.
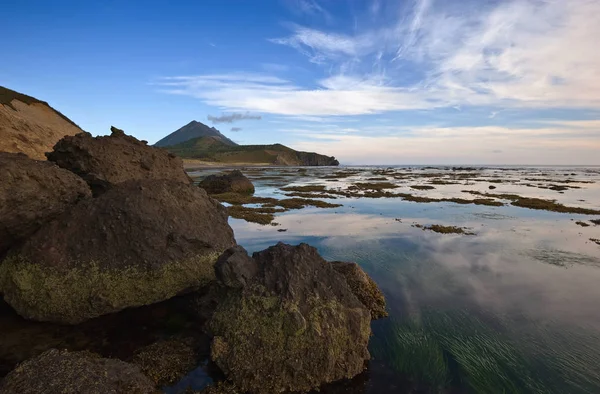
x=370 y=82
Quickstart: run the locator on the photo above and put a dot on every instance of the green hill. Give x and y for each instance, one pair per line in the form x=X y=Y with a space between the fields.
x=190 y=131
x=214 y=149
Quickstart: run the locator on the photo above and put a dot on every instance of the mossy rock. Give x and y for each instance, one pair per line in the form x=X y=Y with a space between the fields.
x=230 y=182
x=363 y=287
x=66 y=372
x=295 y=326
x=139 y=243
x=165 y=362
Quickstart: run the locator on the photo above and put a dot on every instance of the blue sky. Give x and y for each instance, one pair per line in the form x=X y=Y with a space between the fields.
x=371 y=82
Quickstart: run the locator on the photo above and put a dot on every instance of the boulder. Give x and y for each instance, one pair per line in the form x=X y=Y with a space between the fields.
x=293 y=327
x=235 y=268
x=363 y=287
x=109 y=160
x=165 y=362
x=221 y=388
x=66 y=372
x=231 y=182
x=32 y=193
x=139 y=243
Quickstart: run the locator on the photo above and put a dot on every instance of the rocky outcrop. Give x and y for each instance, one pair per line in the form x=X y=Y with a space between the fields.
x=30 y=126
x=294 y=325
x=139 y=243
x=32 y=193
x=231 y=182
x=315 y=159
x=109 y=160
x=66 y=372
x=363 y=287
x=165 y=362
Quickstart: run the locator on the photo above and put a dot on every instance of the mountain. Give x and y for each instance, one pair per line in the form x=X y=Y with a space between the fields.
x=213 y=149
x=193 y=130
x=30 y=126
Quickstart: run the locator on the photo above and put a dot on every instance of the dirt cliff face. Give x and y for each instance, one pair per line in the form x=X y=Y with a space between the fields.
x=30 y=126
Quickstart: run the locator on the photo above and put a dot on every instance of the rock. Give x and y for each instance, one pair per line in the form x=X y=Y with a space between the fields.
x=166 y=362
x=109 y=160
x=66 y=372
x=221 y=388
x=491 y=187
x=235 y=268
x=234 y=182
x=32 y=193
x=363 y=287
x=295 y=325
x=139 y=243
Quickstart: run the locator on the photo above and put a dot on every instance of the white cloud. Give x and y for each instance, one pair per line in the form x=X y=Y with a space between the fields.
x=467 y=145
x=523 y=53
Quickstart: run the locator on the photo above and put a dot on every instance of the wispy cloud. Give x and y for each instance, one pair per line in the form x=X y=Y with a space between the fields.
x=523 y=53
x=233 y=117
x=236 y=129
x=441 y=145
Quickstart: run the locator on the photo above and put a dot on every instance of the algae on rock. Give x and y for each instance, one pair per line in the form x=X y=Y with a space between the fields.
x=294 y=326
x=139 y=243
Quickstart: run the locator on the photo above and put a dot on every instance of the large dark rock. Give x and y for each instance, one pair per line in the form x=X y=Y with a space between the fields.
x=32 y=193
x=108 y=160
x=138 y=243
x=294 y=326
x=363 y=287
x=75 y=373
x=231 y=182
x=235 y=268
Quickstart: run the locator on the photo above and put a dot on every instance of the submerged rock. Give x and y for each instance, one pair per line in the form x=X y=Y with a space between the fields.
x=75 y=373
x=165 y=362
x=363 y=287
x=294 y=326
x=108 y=160
x=32 y=193
x=137 y=244
x=231 y=182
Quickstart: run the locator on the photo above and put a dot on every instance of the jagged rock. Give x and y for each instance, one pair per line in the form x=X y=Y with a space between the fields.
x=295 y=326
x=363 y=287
x=139 y=243
x=234 y=182
x=235 y=268
x=75 y=373
x=165 y=362
x=32 y=193
x=108 y=160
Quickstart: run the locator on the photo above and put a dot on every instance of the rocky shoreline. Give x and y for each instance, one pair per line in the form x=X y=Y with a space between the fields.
x=111 y=225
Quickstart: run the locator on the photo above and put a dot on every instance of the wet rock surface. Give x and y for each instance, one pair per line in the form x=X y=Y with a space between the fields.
x=32 y=193
x=109 y=160
x=363 y=287
x=231 y=182
x=294 y=326
x=141 y=242
x=66 y=372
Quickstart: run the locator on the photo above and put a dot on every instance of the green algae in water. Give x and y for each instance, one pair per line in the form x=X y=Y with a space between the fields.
x=459 y=349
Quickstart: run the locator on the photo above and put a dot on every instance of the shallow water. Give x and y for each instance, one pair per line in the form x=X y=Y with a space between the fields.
x=511 y=309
